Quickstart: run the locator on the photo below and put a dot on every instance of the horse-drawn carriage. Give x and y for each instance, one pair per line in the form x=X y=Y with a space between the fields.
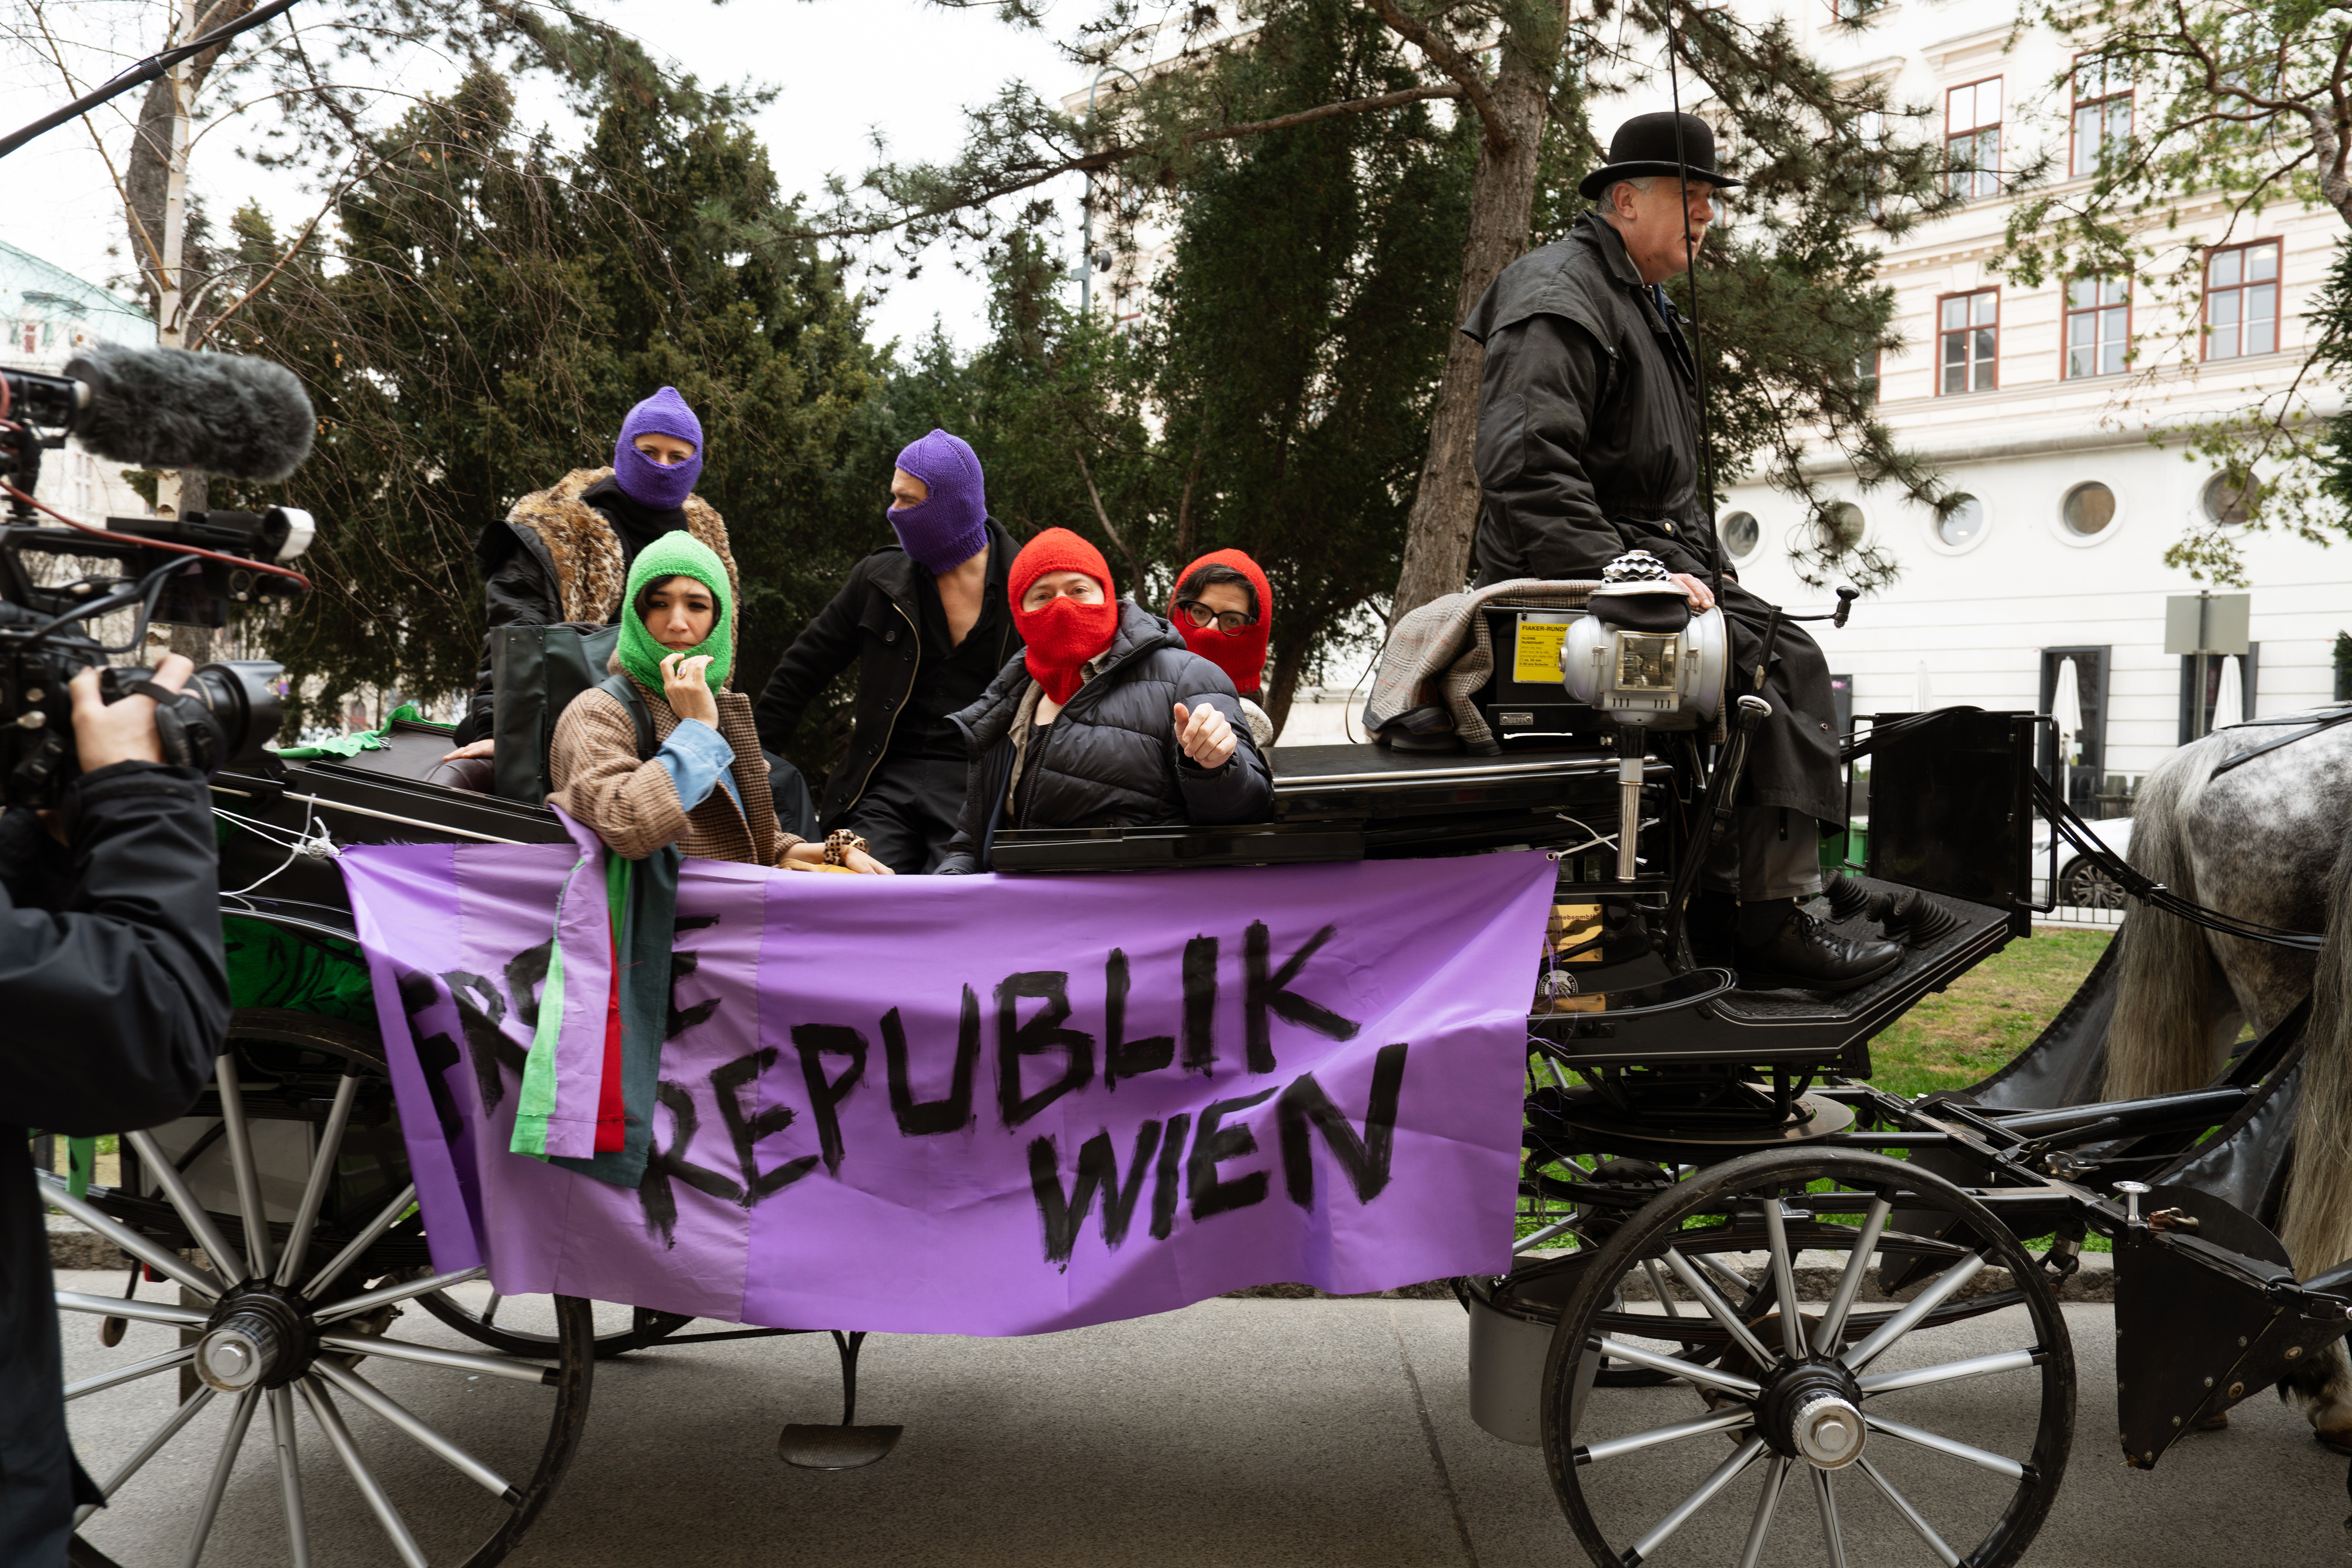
x=1735 y=1255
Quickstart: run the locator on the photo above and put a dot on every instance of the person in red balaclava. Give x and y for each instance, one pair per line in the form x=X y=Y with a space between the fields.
x=1106 y=720
x=1224 y=609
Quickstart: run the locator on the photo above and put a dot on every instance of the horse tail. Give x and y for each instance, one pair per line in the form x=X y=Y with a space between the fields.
x=2158 y=1043
x=2317 y=1227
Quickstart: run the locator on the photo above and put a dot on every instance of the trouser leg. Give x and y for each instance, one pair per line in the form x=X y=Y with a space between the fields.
x=1771 y=852
x=912 y=808
x=889 y=837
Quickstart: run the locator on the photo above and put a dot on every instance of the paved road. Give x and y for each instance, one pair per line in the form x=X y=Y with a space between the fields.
x=1244 y=1432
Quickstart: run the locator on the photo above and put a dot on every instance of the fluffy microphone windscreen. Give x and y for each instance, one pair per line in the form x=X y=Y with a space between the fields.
x=166 y=408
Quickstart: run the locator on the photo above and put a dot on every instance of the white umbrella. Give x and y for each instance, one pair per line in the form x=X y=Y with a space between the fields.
x=2229 y=703
x=1923 y=691
x=2066 y=709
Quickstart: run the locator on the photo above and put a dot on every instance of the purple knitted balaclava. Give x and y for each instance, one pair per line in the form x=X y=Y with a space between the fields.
x=951 y=525
x=642 y=480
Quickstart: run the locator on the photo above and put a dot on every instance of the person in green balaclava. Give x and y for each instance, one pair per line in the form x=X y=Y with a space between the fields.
x=705 y=787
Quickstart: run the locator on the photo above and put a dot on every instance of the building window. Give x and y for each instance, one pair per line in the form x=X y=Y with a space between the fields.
x=2229 y=500
x=2103 y=113
x=2241 y=300
x=2087 y=771
x=1960 y=524
x=1972 y=138
x=2087 y=509
x=1840 y=527
x=1741 y=533
x=30 y=337
x=2098 y=326
x=1969 y=328
x=1865 y=374
x=2197 y=708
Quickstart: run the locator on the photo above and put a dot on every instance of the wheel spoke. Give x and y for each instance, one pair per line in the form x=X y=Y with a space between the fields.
x=1945 y=1554
x=290 y=1475
x=385 y=1221
x=1833 y=1324
x=400 y=1416
x=331 y=1420
x=323 y=1175
x=1784 y=1277
x=131 y=1307
x=1826 y=1500
x=353 y=1305
x=433 y=1355
x=1718 y=1309
x=226 y=1260
x=1947 y=1284
x=1957 y=1450
x=151 y=1447
x=1725 y=1271
x=238 y=1420
x=240 y=1159
x=133 y=1372
x=1766 y=1502
x=1950 y=1370
x=490 y=1313
x=162 y=1260
x=1725 y=1473
x=1697 y=1426
x=1656 y=1363
x=1658 y=1284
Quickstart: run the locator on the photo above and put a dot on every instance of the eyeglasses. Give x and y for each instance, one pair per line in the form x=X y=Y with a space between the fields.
x=1231 y=623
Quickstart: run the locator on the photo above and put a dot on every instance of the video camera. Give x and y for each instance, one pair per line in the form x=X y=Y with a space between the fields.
x=160 y=408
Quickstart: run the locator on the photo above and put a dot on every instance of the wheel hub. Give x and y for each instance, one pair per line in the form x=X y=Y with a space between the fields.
x=1813 y=1412
x=261 y=1335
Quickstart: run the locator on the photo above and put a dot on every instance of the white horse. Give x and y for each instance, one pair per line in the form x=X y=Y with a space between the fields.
x=2269 y=841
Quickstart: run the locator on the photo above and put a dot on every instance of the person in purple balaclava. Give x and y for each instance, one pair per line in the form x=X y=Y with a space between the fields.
x=927 y=622
x=562 y=554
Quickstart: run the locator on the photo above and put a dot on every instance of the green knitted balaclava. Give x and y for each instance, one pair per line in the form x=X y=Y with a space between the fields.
x=677 y=554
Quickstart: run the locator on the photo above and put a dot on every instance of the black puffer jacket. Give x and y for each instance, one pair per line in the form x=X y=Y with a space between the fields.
x=1109 y=760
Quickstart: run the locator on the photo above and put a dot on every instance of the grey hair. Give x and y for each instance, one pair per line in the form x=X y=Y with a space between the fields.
x=1642 y=182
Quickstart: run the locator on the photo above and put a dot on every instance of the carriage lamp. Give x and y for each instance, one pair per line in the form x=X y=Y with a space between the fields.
x=1638 y=655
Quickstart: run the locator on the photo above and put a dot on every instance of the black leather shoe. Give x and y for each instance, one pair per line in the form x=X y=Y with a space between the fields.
x=1807 y=956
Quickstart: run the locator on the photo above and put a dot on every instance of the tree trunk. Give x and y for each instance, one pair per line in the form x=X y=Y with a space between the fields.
x=1289 y=658
x=1445 y=503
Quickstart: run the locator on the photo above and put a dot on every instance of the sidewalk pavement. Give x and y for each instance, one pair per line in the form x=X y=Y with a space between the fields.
x=1245 y=1432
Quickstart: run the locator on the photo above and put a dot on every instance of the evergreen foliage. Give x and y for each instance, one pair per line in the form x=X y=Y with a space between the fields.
x=493 y=306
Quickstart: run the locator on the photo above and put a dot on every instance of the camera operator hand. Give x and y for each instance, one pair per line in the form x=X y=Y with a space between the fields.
x=107 y=733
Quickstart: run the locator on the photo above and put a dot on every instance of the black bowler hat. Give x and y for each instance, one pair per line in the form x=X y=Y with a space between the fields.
x=1644 y=145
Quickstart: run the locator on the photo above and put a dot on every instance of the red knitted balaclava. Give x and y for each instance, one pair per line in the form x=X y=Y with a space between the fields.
x=1243 y=654
x=1064 y=634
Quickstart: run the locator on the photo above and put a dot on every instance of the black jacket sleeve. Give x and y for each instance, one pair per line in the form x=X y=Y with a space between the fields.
x=117 y=995
x=516 y=594
x=823 y=649
x=1541 y=380
x=1239 y=789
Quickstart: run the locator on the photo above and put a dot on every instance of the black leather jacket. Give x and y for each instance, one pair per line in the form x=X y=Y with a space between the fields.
x=1109 y=760
x=875 y=620
x=1588 y=419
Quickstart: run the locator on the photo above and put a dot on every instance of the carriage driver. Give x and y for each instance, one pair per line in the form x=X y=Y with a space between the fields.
x=1588 y=441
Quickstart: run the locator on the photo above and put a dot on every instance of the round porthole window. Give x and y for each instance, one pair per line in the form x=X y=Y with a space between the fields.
x=2087 y=509
x=1841 y=526
x=2229 y=500
x=1963 y=524
x=1741 y=533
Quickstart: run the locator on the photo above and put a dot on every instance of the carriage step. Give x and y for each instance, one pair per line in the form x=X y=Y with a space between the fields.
x=847 y=1446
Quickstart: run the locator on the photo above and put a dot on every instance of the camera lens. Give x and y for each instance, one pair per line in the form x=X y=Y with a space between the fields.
x=243 y=696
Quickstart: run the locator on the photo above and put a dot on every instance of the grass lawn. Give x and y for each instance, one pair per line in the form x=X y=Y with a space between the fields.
x=1989 y=1015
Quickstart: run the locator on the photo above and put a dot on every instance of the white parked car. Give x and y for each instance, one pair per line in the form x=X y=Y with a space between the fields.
x=2081 y=881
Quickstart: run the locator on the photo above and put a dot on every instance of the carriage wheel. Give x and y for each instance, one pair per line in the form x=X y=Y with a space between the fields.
x=300 y=1324
x=494 y=1321
x=1819 y=1401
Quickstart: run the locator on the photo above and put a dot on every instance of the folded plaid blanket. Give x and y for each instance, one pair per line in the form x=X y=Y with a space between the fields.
x=1439 y=655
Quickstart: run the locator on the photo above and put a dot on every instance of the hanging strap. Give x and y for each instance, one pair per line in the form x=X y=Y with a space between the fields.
x=622 y=690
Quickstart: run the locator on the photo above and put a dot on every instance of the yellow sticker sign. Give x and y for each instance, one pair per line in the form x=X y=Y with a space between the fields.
x=1535 y=661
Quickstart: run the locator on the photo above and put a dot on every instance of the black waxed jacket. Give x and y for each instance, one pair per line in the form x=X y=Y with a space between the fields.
x=1109 y=760
x=875 y=620
x=116 y=996
x=1588 y=417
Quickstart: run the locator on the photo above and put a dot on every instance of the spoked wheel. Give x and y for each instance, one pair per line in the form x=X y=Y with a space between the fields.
x=290 y=1177
x=501 y=1322
x=1829 y=1400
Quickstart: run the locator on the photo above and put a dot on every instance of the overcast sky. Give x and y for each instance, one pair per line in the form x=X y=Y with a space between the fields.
x=846 y=69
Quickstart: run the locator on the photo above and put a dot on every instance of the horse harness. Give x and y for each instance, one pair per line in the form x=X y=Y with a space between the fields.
x=2318 y=719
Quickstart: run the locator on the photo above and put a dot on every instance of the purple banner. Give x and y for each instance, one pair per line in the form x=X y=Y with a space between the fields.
x=987 y=1104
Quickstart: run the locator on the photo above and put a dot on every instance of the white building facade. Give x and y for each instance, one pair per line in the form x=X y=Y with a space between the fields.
x=2023 y=398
